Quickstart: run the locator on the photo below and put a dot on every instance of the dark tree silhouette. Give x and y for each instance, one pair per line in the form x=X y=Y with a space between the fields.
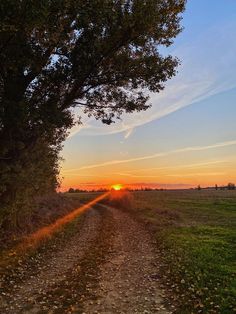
x=231 y=186
x=100 y=55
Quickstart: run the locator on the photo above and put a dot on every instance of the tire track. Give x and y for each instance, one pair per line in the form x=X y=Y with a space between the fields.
x=128 y=280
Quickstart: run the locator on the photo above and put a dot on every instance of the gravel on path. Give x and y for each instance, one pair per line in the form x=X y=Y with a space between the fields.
x=110 y=265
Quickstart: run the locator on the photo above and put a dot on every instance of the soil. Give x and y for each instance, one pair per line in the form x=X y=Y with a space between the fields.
x=109 y=264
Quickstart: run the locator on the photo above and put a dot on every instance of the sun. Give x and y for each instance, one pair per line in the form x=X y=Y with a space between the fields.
x=117 y=187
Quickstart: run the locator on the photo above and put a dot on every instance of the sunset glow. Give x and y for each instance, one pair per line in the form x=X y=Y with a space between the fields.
x=187 y=138
x=117 y=187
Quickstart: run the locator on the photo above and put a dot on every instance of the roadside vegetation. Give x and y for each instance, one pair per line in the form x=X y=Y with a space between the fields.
x=45 y=214
x=196 y=236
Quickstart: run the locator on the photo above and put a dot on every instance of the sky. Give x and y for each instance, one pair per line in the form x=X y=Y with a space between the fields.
x=188 y=137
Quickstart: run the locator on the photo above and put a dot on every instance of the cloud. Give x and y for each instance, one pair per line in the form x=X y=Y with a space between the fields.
x=162 y=154
x=77 y=128
x=128 y=133
x=134 y=175
x=89 y=175
x=196 y=165
x=197 y=174
x=208 y=68
x=172 y=175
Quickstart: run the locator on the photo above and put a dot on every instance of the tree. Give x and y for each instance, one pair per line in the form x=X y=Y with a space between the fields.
x=100 y=55
x=231 y=186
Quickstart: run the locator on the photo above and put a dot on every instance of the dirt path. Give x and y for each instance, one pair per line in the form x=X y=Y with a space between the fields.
x=108 y=266
x=128 y=277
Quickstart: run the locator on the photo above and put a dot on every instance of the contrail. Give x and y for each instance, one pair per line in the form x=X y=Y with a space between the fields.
x=197 y=174
x=176 y=151
x=196 y=165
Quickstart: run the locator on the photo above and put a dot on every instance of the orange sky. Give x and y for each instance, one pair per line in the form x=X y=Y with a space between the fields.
x=181 y=168
x=188 y=136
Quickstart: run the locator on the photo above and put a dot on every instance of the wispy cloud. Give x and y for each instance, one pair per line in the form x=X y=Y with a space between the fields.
x=195 y=165
x=162 y=154
x=79 y=127
x=172 y=175
x=199 y=174
x=128 y=133
x=134 y=175
x=88 y=175
x=204 y=72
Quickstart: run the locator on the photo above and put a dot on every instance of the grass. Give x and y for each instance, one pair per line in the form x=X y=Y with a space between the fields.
x=196 y=233
x=196 y=236
x=78 y=283
x=82 y=197
x=15 y=249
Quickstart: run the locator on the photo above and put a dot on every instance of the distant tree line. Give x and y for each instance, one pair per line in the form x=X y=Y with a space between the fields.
x=229 y=186
x=72 y=190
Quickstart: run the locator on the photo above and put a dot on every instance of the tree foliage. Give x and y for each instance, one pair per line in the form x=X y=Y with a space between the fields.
x=100 y=55
x=231 y=186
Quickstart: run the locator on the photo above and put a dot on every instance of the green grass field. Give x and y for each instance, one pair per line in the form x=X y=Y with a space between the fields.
x=196 y=233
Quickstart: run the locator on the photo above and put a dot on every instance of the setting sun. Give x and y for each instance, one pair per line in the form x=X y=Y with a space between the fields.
x=117 y=187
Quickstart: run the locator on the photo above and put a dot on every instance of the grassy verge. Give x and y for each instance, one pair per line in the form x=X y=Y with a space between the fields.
x=78 y=283
x=196 y=233
x=10 y=255
x=46 y=211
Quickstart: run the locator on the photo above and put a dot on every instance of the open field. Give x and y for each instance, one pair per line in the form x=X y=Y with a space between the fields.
x=177 y=249
x=196 y=232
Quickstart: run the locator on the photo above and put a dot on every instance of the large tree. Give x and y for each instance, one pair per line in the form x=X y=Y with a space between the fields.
x=100 y=55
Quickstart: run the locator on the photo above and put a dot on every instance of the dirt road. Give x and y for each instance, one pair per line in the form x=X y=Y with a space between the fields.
x=109 y=265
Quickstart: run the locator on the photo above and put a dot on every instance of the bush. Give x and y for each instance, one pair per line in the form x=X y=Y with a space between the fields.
x=122 y=199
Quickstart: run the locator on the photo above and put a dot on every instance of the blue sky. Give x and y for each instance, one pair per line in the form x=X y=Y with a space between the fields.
x=197 y=109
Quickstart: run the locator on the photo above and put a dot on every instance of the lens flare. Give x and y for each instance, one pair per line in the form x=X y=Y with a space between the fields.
x=35 y=239
x=117 y=187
